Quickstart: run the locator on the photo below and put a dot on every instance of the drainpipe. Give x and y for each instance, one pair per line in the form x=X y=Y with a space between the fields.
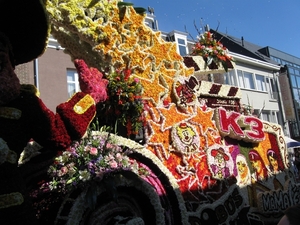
x=36 y=73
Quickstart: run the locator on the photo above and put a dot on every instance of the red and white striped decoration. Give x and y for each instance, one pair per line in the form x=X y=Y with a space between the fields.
x=200 y=66
x=219 y=90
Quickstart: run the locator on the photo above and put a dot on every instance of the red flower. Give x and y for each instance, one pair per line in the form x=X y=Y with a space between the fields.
x=127 y=73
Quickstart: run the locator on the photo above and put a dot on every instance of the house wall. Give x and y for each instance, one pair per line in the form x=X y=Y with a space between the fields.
x=257 y=99
x=52 y=72
x=51 y=76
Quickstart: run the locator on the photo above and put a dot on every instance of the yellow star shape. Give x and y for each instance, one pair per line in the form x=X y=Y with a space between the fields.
x=111 y=39
x=153 y=91
x=159 y=49
x=135 y=57
x=167 y=72
x=145 y=74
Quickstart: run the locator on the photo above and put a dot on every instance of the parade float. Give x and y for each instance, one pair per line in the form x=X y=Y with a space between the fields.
x=165 y=147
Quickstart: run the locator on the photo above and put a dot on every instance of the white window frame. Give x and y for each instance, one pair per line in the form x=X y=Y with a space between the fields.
x=270 y=84
x=231 y=78
x=73 y=84
x=269 y=115
x=178 y=36
x=243 y=82
x=260 y=82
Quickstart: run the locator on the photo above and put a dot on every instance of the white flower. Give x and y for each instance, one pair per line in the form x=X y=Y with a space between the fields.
x=84 y=175
x=71 y=171
x=64 y=158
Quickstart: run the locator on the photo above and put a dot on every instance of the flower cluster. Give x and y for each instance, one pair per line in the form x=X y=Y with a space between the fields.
x=91 y=81
x=90 y=159
x=212 y=51
x=124 y=103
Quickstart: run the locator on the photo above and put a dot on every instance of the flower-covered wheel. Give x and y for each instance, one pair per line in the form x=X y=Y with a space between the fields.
x=119 y=199
x=150 y=196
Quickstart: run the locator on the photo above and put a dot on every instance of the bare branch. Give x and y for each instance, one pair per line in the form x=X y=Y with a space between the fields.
x=189 y=33
x=198 y=31
x=218 y=25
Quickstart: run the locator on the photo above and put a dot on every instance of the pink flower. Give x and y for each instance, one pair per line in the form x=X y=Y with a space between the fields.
x=119 y=156
x=113 y=164
x=93 y=151
x=109 y=145
x=62 y=171
x=136 y=80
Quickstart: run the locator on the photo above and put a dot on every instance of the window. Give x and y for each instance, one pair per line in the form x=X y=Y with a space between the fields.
x=269 y=116
x=296 y=97
x=245 y=79
x=291 y=70
x=293 y=81
x=276 y=59
x=248 y=79
x=230 y=78
x=181 y=41
x=260 y=83
x=241 y=79
x=182 y=46
x=182 y=50
x=72 y=80
x=271 y=88
x=298 y=81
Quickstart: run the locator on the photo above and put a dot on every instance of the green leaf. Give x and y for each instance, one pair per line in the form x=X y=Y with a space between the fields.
x=121 y=4
x=71 y=180
x=140 y=10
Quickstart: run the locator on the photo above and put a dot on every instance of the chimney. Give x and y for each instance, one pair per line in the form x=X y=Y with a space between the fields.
x=242 y=41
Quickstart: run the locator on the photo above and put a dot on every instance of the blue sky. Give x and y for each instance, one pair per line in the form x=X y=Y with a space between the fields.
x=274 y=23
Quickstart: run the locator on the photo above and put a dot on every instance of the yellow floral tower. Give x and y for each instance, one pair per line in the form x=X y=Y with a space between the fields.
x=201 y=156
x=107 y=35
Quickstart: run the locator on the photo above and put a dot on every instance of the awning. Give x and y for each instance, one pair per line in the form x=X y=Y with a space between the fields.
x=291 y=143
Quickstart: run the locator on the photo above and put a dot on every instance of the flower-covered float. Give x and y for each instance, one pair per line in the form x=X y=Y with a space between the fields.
x=164 y=147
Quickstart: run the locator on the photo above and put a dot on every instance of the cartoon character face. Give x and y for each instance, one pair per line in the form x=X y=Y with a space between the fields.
x=220 y=161
x=220 y=157
x=244 y=176
x=274 y=163
x=256 y=165
x=242 y=168
x=185 y=133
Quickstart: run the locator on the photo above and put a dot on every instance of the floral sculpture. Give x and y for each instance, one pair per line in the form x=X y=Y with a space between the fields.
x=190 y=159
x=213 y=51
x=193 y=135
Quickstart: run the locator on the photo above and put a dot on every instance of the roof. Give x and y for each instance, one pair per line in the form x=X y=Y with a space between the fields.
x=243 y=47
